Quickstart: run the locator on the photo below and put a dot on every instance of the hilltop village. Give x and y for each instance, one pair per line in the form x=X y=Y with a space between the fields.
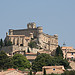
x=33 y=44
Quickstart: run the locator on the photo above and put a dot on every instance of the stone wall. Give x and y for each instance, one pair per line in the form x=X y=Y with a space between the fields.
x=7 y=49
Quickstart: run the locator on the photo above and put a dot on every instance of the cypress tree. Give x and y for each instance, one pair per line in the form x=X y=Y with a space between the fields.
x=1 y=43
x=59 y=51
x=28 y=50
x=44 y=72
x=30 y=72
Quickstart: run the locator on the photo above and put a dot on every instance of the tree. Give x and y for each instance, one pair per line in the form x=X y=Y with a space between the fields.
x=59 y=52
x=5 y=61
x=69 y=72
x=1 y=43
x=40 y=61
x=60 y=61
x=28 y=50
x=44 y=72
x=8 y=43
x=47 y=60
x=32 y=44
x=30 y=72
x=20 y=61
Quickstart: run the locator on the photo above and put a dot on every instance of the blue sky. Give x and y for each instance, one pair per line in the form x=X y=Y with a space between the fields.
x=56 y=17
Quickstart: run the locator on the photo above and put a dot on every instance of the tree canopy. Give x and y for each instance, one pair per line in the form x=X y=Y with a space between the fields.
x=69 y=72
x=1 y=43
x=20 y=61
x=5 y=61
x=47 y=60
x=7 y=43
x=59 y=52
x=32 y=44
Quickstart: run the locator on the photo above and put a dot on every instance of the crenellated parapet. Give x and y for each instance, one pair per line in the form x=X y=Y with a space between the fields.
x=10 y=31
x=31 y=25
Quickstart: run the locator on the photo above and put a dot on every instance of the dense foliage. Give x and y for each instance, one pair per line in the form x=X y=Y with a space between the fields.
x=47 y=60
x=69 y=72
x=32 y=44
x=59 y=52
x=7 y=43
x=20 y=61
x=5 y=61
x=30 y=72
x=1 y=43
x=17 y=61
x=28 y=50
x=44 y=72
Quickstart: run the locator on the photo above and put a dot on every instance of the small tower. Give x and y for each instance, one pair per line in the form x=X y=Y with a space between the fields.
x=39 y=29
x=10 y=32
x=31 y=25
x=39 y=36
x=64 y=44
x=31 y=35
x=6 y=33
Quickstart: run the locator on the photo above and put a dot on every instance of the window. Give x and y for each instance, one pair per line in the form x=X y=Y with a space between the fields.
x=72 y=53
x=53 y=69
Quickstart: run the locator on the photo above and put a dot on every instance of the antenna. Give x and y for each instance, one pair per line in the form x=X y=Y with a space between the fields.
x=64 y=44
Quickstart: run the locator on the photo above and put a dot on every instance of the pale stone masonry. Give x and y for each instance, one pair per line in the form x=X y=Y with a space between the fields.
x=68 y=52
x=51 y=69
x=21 y=38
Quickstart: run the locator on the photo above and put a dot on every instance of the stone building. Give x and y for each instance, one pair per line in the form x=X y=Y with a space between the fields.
x=68 y=53
x=51 y=69
x=21 y=38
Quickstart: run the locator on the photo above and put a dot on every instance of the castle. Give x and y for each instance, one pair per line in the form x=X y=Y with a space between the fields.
x=21 y=38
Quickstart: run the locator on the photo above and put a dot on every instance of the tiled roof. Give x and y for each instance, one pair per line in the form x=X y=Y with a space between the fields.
x=71 y=51
x=67 y=47
x=53 y=67
x=47 y=52
x=31 y=53
x=31 y=57
x=19 y=36
x=16 y=35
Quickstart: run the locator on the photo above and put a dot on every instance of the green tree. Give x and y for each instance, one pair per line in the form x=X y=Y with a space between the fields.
x=40 y=61
x=44 y=72
x=8 y=43
x=60 y=61
x=32 y=44
x=1 y=43
x=28 y=50
x=69 y=72
x=59 y=52
x=20 y=61
x=30 y=72
x=47 y=60
x=5 y=61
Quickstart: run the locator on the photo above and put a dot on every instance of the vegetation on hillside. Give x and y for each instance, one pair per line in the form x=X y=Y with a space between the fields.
x=1 y=43
x=20 y=61
x=32 y=44
x=5 y=61
x=47 y=60
x=17 y=61
x=59 y=52
x=69 y=72
x=5 y=43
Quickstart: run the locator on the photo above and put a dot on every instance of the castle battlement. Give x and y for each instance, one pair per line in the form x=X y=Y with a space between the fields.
x=22 y=37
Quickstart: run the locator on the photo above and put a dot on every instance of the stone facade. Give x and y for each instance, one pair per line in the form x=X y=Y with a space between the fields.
x=51 y=69
x=68 y=52
x=23 y=36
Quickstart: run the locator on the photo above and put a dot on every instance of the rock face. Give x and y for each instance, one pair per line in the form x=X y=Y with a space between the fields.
x=72 y=64
x=22 y=37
